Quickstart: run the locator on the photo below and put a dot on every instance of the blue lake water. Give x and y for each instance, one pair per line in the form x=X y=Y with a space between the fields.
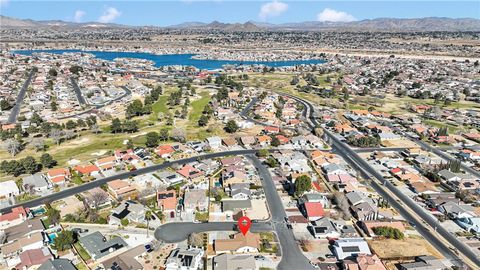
x=177 y=59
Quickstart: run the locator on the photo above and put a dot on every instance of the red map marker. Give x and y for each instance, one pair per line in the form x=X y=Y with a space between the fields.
x=244 y=224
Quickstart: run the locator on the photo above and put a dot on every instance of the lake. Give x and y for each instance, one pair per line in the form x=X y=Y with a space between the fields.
x=177 y=59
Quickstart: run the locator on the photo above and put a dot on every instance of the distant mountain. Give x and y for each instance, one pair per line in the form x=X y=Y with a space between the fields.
x=188 y=25
x=9 y=22
x=216 y=25
x=380 y=24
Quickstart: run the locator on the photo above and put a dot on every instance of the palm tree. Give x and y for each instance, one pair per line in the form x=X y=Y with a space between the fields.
x=148 y=216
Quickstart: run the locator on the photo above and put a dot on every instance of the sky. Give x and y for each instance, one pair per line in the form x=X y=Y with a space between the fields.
x=163 y=13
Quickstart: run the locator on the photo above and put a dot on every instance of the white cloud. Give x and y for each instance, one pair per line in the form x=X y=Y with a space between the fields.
x=109 y=15
x=78 y=16
x=272 y=9
x=331 y=15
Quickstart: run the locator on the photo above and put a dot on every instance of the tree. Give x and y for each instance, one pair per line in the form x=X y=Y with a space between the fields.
x=231 y=126
x=203 y=121
x=64 y=240
x=39 y=144
x=124 y=222
x=163 y=135
x=53 y=215
x=4 y=105
x=116 y=126
x=275 y=142
x=56 y=135
x=303 y=183
x=148 y=216
x=52 y=72
x=262 y=153
x=47 y=160
x=179 y=135
x=30 y=165
x=76 y=69
x=54 y=106
x=151 y=139
x=271 y=162
x=388 y=232
x=71 y=124
x=12 y=146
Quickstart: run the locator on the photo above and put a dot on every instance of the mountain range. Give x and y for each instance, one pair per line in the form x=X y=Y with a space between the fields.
x=380 y=24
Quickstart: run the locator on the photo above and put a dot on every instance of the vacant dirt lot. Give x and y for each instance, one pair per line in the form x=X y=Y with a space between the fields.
x=410 y=247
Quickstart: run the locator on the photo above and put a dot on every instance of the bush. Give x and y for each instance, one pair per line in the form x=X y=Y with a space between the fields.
x=388 y=232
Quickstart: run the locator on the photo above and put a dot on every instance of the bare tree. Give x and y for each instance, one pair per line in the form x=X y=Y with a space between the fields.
x=179 y=134
x=95 y=129
x=69 y=134
x=38 y=144
x=56 y=135
x=342 y=204
x=12 y=146
x=98 y=197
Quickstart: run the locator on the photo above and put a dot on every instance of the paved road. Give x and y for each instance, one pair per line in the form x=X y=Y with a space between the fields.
x=179 y=231
x=12 y=118
x=445 y=156
x=292 y=257
x=355 y=161
x=78 y=92
x=87 y=186
x=379 y=149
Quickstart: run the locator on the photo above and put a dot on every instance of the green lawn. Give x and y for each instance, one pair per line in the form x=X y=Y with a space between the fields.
x=82 y=252
x=438 y=124
x=160 y=105
x=201 y=216
x=197 y=108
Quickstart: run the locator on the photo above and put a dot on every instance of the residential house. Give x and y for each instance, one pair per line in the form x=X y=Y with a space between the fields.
x=121 y=189
x=195 y=199
x=424 y=263
x=323 y=228
x=191 y=173
x=313 y=210
x=96 y=198
x=455 y=210
x=364 y=262
x=13 y=249
x=264 y=140
x=232 y=206
x=129 y=210
x=98 y=246
x=214 y=142
x=247 y=140
x=37 y=182
x=185 y=259
x=170 y=178
x=33 y=258
x=25 y=228
x=248 y=243
x=164 y=151
x=106 y=163
x=87 y=169
x=57 y=264
x=350 y=247
x=16 y=216
x=9 y=189
x=470 y=224
x=227 y=261
x=167 y=201
x=126 y=260
x=58 y=176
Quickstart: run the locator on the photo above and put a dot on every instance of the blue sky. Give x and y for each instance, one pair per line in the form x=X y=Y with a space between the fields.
x=275 y=11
